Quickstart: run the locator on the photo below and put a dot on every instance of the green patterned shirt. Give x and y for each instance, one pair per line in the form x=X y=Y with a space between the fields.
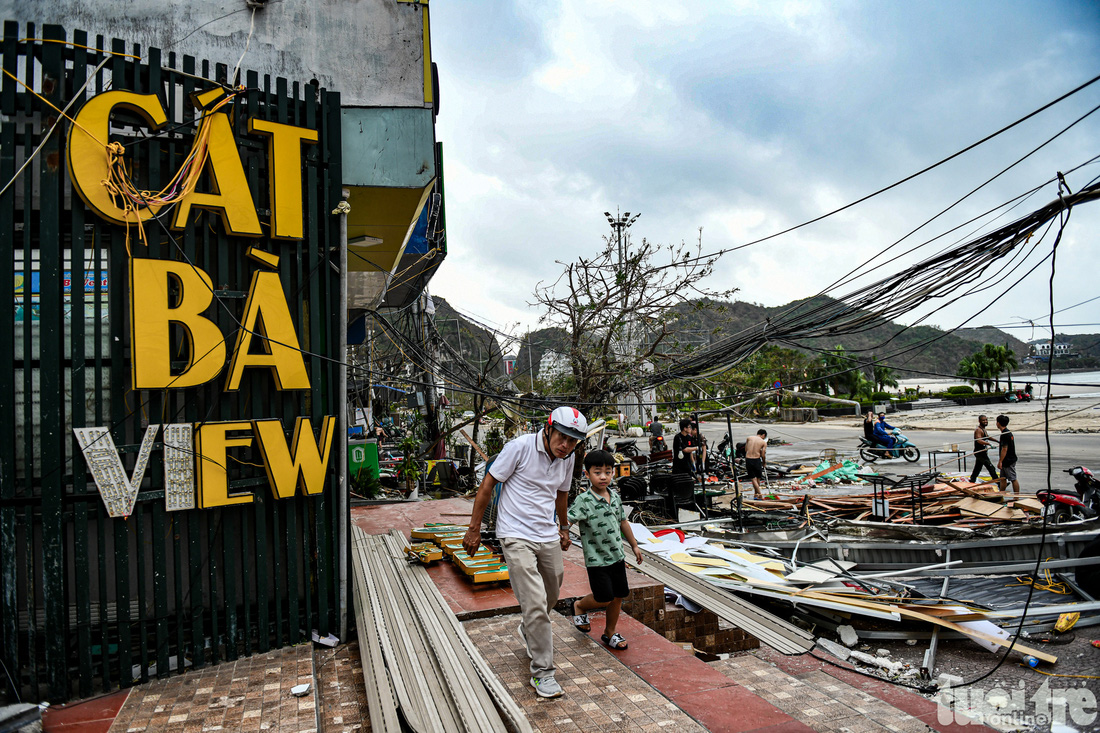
x=601 y=527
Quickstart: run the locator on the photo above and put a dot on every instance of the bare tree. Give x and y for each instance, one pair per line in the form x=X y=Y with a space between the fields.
x=616 y=309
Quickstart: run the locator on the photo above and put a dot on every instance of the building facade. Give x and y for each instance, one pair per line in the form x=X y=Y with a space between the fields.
x=197 y=197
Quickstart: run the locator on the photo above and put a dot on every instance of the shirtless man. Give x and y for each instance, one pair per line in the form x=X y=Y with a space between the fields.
x=982 y=442
x=756 y=452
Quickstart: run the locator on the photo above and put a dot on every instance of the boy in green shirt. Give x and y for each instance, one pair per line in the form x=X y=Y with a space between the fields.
x=599 y=511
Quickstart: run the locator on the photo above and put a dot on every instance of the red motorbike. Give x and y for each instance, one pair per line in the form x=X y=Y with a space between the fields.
x=1067 y=505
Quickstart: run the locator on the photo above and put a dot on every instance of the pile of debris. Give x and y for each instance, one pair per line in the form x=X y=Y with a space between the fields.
x=953 y=502
x=831 y=595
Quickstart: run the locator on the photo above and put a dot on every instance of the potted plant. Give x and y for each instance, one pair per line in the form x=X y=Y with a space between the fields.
x=409 y=466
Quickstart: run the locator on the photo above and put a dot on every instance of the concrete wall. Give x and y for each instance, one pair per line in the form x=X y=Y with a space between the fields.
x=371 y=51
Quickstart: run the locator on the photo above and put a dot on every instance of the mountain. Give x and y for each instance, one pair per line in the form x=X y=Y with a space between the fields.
x=477 y=346
x=918 y=348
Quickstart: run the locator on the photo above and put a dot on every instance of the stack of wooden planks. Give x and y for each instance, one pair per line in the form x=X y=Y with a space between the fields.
x=956 y=503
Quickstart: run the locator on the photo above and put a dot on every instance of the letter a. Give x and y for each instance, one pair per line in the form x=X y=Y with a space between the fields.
x=267 y=323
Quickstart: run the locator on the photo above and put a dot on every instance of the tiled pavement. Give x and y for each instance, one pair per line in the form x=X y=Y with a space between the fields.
x=808 y=668
x=822 y=702
x=342 y=693
x=250 y=694
x=600 y=694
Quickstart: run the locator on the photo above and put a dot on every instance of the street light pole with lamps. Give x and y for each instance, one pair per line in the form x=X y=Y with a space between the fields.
x=619 y=223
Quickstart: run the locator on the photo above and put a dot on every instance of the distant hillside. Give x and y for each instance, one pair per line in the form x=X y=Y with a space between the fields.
x=993 y=335
x=922 y=348
x=1085 y=344
x=476 y=345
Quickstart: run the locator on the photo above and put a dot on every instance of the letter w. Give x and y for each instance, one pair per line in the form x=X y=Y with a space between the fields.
x=303 y=464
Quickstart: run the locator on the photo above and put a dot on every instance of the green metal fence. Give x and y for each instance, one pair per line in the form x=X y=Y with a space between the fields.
x=89 y=602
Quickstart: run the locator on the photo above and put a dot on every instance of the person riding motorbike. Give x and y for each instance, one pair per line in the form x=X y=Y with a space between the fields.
x=883 y=437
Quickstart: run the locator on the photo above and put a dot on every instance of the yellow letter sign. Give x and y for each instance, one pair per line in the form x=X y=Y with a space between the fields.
x=212 y=444
x=88 y=154
x=267 y=321
x=152 y=314
x=303 y=464
x=284 y=150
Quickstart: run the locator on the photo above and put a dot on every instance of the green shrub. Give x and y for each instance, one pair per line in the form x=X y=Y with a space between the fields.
x=960 y=389
x=881 y=396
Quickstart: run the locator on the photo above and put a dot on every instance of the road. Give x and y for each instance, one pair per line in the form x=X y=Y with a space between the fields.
x=807 y=441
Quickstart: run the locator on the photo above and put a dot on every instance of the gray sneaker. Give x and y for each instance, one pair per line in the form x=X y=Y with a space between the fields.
x=547 y=687
x=523 y=636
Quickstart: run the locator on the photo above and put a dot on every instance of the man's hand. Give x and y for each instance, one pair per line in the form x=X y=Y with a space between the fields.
x=472 y=540
x=638 y=554
x=566 y=540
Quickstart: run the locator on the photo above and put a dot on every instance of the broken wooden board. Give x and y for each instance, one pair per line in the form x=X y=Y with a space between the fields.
x=979 y=508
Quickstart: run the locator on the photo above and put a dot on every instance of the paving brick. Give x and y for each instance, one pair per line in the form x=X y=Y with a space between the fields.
x=600 y=691
x=212 y=698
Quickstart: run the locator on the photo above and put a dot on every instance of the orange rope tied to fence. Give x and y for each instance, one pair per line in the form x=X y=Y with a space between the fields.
x=130 y=199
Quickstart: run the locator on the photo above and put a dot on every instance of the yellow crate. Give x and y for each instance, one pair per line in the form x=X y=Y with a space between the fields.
x=470 y=566
x=490 y=576
x=434 y=531
x=426 y=552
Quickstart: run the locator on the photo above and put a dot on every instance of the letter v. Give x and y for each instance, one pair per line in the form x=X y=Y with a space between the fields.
x=118 y=491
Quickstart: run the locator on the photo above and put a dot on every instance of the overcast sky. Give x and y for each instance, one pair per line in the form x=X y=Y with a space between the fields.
x=745 y=118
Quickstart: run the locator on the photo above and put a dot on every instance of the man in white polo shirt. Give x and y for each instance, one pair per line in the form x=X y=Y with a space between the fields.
x=536 y=472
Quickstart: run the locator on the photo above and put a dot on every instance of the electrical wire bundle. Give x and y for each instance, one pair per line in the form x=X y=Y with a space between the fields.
x=944 y=276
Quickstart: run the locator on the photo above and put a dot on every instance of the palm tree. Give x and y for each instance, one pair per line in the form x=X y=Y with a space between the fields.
x=977 y=369
x=1000 y=358
x=860 y=387
x=884 y=377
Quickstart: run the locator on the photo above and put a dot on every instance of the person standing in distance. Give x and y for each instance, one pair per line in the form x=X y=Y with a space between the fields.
x=683 y=449
x=536 y=471
x=982 y=442
x=1007 y=464
x=756 y=454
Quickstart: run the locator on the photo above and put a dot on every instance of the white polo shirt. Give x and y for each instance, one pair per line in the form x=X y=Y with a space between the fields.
x=531 y=478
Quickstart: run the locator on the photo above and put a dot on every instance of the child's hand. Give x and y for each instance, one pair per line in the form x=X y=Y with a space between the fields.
x=638 y=554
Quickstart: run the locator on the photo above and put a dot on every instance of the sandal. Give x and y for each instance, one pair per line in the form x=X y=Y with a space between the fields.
x=615 y=641
x=582 y=623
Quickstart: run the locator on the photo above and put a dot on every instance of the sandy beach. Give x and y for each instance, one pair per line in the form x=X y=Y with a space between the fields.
x=1074 y=405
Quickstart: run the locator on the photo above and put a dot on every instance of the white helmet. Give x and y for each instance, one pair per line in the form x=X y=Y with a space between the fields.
x=568 y=421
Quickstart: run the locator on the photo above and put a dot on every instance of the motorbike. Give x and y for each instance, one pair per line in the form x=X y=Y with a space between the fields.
x=628 y=448
x=1018 y=396
x=1067 y=505
x=902 y=448
x=657 y=444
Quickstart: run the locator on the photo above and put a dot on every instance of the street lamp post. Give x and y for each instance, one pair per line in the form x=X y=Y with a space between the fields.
x=618 y=223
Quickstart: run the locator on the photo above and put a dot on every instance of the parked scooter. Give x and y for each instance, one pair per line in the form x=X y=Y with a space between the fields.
x=902 y=448
x=628 y=448
x=1067 y=505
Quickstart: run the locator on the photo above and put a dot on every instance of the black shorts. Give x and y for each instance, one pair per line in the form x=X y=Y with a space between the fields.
x=754 y=467
x=608 y=582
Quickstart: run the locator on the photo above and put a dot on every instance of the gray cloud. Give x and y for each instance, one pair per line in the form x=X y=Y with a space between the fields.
x=746 y=119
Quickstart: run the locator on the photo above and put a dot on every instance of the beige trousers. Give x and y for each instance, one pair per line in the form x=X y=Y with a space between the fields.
x=536 y=573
